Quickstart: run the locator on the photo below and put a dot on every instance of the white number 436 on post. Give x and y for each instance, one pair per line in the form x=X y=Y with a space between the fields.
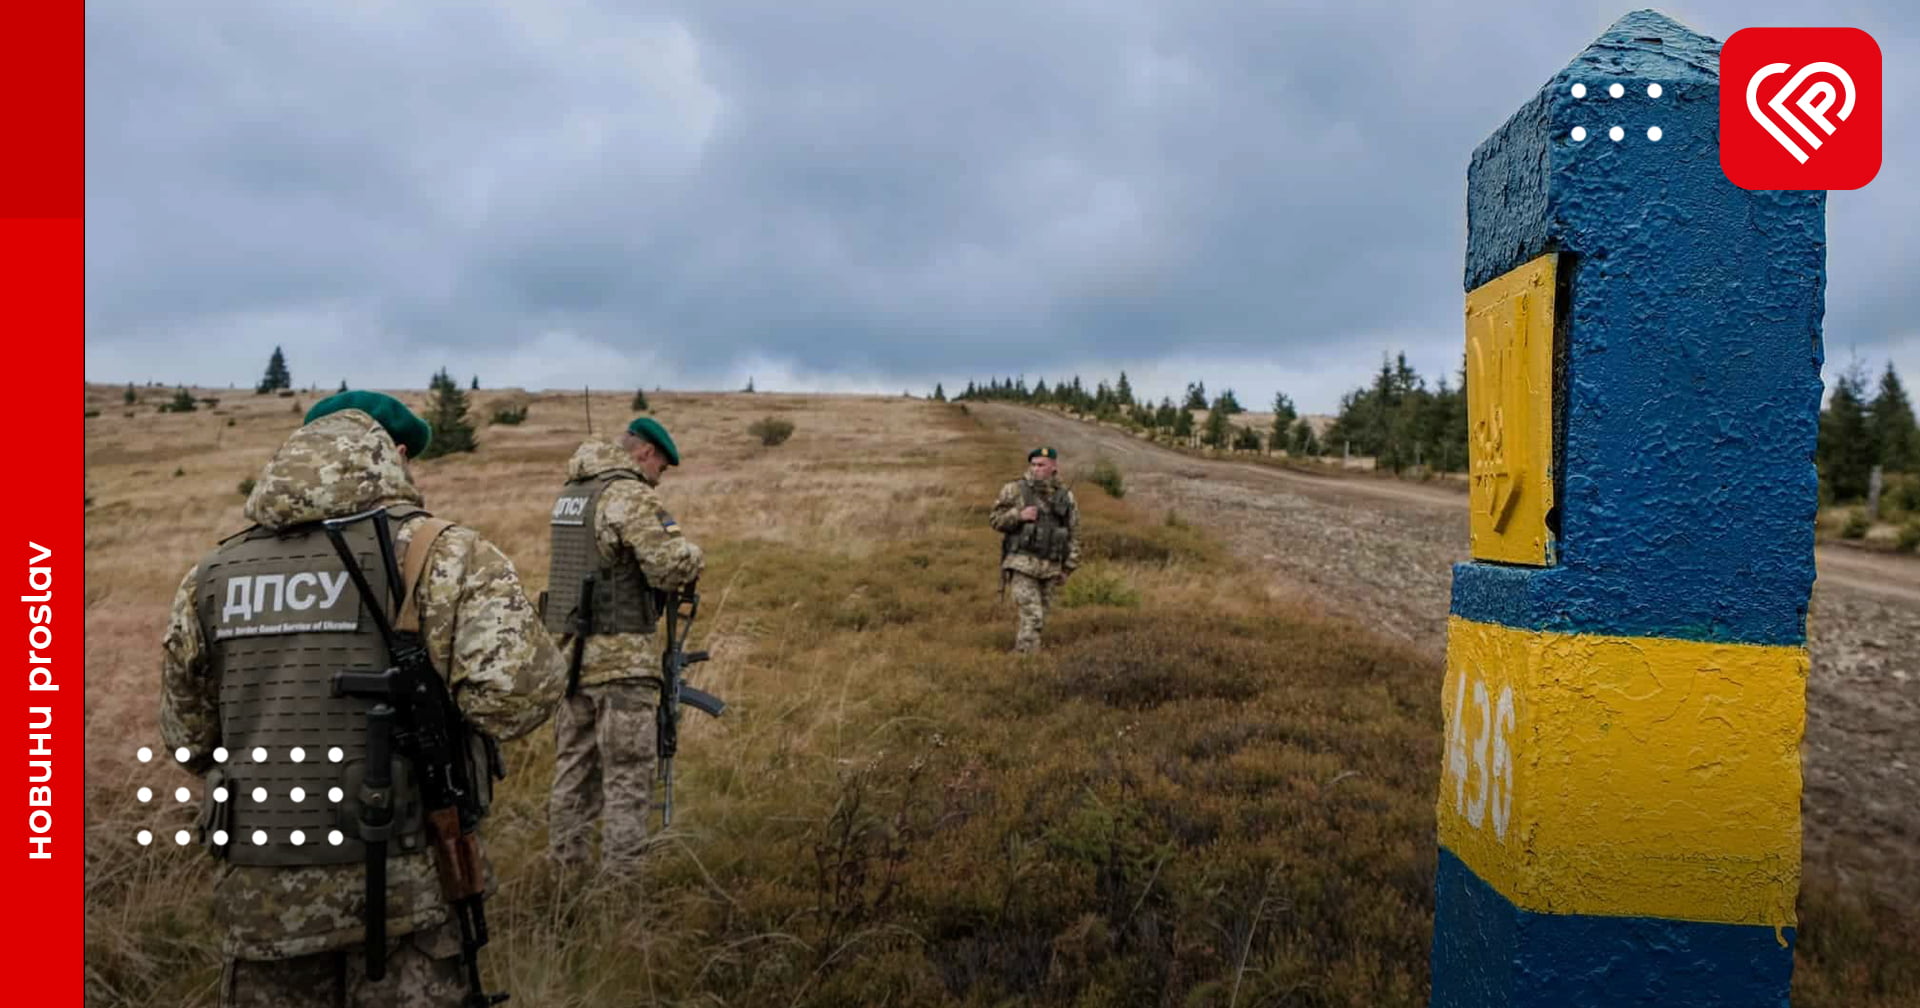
x=1480 y=769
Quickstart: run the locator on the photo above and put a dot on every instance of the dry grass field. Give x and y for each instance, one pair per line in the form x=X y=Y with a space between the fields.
x=1205 y=793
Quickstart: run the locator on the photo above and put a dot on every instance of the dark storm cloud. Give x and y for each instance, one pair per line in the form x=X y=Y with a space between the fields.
x=840 y=195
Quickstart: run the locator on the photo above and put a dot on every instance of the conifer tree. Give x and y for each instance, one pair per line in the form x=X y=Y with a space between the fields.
x=447 y=415
x=1896 y=441
x=277 y=376
x=1846 y=452
x=1216 y=432
x=1283 y=417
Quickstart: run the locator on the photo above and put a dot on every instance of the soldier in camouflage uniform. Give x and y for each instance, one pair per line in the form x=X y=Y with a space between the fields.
x=609 y=522
x=292 y=909
x=1041 y=523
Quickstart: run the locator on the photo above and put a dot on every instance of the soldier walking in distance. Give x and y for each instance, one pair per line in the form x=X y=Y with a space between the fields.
x=295 y=807
x=1040 y=522
x=617 y=554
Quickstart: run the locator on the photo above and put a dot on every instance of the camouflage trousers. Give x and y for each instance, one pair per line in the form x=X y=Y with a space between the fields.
x=1033 y=597
x=423 y=971
x=604 y=765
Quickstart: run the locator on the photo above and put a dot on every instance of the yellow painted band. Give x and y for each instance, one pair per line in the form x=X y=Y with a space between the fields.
x=1625 y=776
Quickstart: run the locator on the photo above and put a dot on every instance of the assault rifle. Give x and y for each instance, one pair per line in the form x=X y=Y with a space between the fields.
x=683 y=606
x=414 y=715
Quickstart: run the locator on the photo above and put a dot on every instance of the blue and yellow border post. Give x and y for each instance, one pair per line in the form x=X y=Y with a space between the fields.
x=1619 y=809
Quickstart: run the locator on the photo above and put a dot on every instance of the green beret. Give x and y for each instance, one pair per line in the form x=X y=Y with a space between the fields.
x=1042 y=453
x=400 y=422
x=650 y=429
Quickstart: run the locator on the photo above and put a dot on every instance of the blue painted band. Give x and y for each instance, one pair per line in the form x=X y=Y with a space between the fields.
x=1487 y=953
x=1739 y=610
x=1688 y=366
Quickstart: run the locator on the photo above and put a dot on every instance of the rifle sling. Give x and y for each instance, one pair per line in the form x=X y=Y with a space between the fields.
x=415 y=564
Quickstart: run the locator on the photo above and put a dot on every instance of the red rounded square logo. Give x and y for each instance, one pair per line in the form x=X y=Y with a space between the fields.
x=1800 y=108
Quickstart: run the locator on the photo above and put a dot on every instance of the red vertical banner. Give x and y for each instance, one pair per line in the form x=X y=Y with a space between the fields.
x=42 y=271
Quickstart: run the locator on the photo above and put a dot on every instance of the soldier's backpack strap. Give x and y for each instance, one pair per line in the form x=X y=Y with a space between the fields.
x=416 y=564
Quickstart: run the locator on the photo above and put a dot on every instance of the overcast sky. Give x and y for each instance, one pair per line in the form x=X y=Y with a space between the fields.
x=845 y=194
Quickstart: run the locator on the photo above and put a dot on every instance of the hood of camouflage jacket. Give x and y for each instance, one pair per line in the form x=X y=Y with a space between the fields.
x=338 y=465
x=595 y=457
x=1046 y=487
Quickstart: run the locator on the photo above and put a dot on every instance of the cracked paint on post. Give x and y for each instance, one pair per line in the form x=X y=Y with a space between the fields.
x=1619 y=810
x=1631 y=776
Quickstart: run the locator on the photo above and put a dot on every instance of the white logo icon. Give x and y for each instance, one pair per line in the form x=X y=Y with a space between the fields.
x=1815 y=102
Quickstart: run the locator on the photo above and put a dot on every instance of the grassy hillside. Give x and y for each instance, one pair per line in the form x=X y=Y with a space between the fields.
x=1202 y=794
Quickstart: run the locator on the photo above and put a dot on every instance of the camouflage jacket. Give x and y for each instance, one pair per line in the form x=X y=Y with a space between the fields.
x=1005 y=519
x=631 y=525
x=479 y=628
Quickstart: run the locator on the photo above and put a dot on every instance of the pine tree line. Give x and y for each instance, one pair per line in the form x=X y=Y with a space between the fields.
x=1397 y=419
x=1115 y=402
x=1403 y=420
x=1860 y=430
x=1402 y=423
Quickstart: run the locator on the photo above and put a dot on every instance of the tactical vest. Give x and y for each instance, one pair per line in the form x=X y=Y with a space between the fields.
x=1049 y=537
x=280 y=616
x=623 y=601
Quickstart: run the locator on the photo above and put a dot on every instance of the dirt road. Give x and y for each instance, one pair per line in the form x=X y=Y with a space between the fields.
x=1381 y=552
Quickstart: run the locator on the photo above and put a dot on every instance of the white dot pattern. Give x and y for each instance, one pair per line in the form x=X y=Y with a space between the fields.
x=220 y=754
x=1579 y=133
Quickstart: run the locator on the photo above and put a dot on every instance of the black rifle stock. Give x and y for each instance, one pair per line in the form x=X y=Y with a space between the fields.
x=683 y=606
x=582 y=626
x=422 y=724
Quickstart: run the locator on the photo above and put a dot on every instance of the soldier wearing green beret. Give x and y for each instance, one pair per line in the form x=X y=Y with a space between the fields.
x=258 y=629
x=610 y=523
x=1040 y=546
